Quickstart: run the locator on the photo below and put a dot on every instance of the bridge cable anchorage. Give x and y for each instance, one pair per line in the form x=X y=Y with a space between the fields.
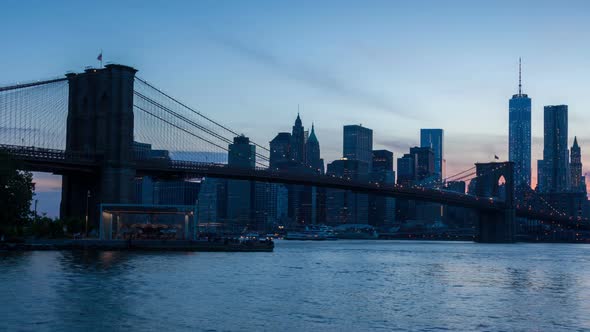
x=190 y=122
x=233 y=132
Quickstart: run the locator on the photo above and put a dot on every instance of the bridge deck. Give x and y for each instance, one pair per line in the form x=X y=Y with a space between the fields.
x=60 y=162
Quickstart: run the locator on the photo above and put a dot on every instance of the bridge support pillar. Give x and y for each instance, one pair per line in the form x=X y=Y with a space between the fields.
x=496 y=226
x=100 y=124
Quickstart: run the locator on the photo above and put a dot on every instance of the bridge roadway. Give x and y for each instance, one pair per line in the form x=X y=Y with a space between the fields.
x=60 y=162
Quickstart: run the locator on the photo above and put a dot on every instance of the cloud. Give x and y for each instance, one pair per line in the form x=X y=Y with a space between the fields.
x=309 y=75
x=398 y=145
x=45 y=182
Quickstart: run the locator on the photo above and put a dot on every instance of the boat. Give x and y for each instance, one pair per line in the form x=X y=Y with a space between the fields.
x=356 y=232
x=312 y=233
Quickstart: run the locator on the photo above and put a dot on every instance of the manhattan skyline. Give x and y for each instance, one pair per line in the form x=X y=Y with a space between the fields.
x=389 y=73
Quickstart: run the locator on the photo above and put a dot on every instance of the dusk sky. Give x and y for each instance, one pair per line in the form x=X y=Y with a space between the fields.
x=393 y=66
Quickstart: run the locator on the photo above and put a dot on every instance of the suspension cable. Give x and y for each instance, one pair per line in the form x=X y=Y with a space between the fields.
x=197 y=112
x=198 y=126
x=28 y=85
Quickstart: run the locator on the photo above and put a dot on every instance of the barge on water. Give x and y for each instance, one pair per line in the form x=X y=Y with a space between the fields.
x=224 y=245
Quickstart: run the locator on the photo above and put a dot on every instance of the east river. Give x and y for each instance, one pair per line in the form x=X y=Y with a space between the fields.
x=302 y=286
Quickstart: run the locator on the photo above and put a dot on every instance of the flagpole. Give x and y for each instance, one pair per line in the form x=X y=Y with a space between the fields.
x=101 y=58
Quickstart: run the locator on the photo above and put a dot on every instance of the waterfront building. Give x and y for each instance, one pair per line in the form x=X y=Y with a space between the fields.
x=270 y=206
x=142 y=151
x=382 y=161
x=144 y=190
x=519 y=135
x=382 y=209
x=299 y=152
x=343 y=206
x=241 y=153
x=312 y=153
x=553 y=169
x=357 y=144
x=406 y=169
x=298 y=142
x=280 y=151
x=434 y=139
x=569 y=203
x=424 y=162
x=578 y=181
x=208 y=201
x=240 y=193
x=417 y=168
x=176 y=192
x=460 y=219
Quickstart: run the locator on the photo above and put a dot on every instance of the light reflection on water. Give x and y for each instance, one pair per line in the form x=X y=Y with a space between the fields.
x=332 y=286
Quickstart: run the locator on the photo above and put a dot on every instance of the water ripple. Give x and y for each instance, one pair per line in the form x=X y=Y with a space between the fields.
x=335 y=286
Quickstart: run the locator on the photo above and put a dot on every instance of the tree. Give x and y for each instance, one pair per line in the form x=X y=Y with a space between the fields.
x=16 y=194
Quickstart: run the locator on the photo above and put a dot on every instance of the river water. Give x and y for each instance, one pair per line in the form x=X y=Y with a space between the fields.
x=325 y=286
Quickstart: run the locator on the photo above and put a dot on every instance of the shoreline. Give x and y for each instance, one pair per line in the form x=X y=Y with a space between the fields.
x=138 y=245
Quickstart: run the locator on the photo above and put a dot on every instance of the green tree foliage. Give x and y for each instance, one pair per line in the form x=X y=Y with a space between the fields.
x=46 y=228
x=16 y=194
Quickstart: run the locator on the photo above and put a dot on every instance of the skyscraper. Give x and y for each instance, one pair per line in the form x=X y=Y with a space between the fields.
x=382 y=161
x=343 y=206
x=358 y=144
x=280 y=151
x=298 y=152
x=406 y=169
x=240 y=193
x=298 y=142
x=312 y=153
x=434 y=139
x=280 y=158
x=241 y=153
x=554 y=173
x=519 y=134
x=424 y=157
x=382 y=209
x=578 y=181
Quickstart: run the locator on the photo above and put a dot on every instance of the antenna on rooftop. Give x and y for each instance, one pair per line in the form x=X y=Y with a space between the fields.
x=519 y=77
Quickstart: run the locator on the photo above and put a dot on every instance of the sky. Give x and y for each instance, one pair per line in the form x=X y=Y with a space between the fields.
x=392 y=66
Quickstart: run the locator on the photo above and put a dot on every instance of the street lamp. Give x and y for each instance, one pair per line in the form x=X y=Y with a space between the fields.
x=87 y=198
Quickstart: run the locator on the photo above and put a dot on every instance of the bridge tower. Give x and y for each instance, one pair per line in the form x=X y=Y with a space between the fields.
x=496 y=226
x=100 y=123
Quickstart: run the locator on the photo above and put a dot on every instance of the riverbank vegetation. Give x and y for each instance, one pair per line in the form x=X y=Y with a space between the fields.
x=16 y=194
x=17 y=221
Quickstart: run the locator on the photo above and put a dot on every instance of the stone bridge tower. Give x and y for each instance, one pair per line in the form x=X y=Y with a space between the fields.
x=100 y=123
x=496 y=226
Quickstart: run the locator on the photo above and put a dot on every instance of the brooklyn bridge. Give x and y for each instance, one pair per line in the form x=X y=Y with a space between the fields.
x=87 y=127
